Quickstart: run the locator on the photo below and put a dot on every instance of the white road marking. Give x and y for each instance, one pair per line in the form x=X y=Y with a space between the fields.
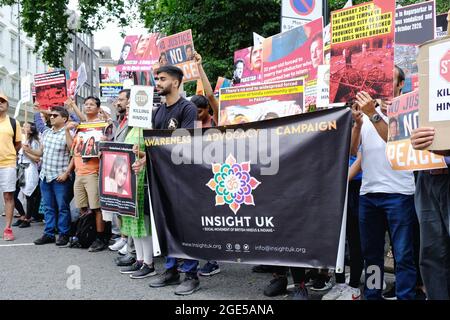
x=17 y=245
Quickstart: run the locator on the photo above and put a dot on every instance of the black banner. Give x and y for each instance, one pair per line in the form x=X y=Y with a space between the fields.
x=117 y=179
x=270 y=192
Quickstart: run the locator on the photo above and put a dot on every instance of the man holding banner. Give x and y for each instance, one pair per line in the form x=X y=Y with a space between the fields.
x=176 y=113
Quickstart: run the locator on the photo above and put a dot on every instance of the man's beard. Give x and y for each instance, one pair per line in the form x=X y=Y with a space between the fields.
x=164 y=92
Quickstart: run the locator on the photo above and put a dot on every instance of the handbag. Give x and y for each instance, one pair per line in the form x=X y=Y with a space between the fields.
x=21 y=167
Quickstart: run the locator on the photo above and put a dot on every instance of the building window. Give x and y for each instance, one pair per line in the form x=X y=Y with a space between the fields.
x=13 y=49
x=13 y=89
x=28 y=59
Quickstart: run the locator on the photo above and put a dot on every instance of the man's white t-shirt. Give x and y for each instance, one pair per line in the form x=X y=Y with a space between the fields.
x=378 y=176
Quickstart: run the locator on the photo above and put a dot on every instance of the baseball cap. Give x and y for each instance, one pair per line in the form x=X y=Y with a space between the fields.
x=4 y=97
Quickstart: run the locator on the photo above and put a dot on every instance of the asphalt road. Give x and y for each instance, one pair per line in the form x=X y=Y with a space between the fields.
x=43 y=272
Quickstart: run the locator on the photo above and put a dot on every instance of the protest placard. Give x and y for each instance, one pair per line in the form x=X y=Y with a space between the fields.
x=141 y=105
x=88 y=137
x=362 y=51
x=247 y=66
x=261 y=102
x=323 y=87
x=139 y=52
x=441 y=25
x=222 y=83
x=403 y=116
x=25 y=89
x=117 y=181
x=51 y=89
x=82 y=77
x=178 y=50
x=72 y=84
x=294 y=53
x=434 y=90
x=414 y=25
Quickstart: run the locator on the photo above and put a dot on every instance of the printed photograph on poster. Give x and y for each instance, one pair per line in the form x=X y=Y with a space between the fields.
x=222 y=83
x=441 y=25
x=72 y=85
x=178 y=50
x=362 y=51
x=247 y=66
x=294 y=53
x=117 y=180
x=414 y=25
x=139 y=52
x=261 y=102
x=51 y=90
x=403 y=116
x=88 y=137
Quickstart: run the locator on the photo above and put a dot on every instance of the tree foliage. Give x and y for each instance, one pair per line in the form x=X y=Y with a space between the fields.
x=219 y=27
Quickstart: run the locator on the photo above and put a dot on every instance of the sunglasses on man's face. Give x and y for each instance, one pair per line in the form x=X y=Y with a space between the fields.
x=54 y=115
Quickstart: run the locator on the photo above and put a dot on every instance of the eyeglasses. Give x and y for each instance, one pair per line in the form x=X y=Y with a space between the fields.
x=54 y=115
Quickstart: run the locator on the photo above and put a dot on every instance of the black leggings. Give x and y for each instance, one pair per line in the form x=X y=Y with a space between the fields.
x=33 y=202
x=353 y=236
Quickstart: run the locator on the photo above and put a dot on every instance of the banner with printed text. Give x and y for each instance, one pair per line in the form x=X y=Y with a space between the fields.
x=51 y=90
x=257 y=198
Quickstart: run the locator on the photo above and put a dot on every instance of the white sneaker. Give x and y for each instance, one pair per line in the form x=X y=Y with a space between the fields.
x=350 y=293
x=123 y=251
x=118 y=245
x=335 y=292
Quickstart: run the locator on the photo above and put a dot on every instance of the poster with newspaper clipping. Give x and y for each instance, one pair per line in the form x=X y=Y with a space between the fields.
x=139 y=52
x=51 y=90
x=414 y=25
x=261 y=102
x=403 y=116
x=362 y=51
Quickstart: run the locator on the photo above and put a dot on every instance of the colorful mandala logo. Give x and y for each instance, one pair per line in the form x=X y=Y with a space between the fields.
x=233 y=184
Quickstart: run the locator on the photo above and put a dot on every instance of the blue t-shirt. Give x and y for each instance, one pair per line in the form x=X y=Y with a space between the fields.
x=350 y=162
x=182 y=114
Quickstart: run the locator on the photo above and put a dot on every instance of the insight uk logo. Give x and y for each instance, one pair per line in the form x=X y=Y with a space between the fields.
x=233 y=184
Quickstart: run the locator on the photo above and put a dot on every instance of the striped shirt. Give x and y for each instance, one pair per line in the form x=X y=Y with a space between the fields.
x=55 y=159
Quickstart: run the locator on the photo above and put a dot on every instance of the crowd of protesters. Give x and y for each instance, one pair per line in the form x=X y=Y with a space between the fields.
x=39 y=162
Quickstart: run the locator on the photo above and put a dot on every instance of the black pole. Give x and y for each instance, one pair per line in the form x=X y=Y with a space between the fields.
x=326 y=13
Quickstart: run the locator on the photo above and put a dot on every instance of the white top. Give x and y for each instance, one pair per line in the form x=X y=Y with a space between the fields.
x=378 y=176
x=31 y=173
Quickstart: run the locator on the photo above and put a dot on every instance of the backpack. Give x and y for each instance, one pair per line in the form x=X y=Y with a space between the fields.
x=86 y=232
x=14 y=127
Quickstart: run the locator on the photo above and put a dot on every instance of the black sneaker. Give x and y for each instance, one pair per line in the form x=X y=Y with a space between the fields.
x=17 y=223
x=276 y=287
x=98 y=245
x=263 y=269
x=188 y=286
x=125 y=261
x=25 y=224
x=144 y=272
x=420 y=295
x=322 y=283
x=167 y=278
x=300 y=292
x=44 y=240
x=62 y=240
x=390 y=294
x=132 y=269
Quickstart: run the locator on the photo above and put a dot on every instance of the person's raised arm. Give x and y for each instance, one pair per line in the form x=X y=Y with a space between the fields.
x=69 y=138
x=356 y=130
x=367 y=105
x=209 y=93
x=40 y=125
x=71 y=106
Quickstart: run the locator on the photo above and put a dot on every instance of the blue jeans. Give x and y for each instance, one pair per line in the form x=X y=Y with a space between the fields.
x=57 y=195
x=375 y=209
x=189 y=266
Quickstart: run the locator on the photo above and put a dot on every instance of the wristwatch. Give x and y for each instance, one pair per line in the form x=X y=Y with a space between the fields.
x=375 y=118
